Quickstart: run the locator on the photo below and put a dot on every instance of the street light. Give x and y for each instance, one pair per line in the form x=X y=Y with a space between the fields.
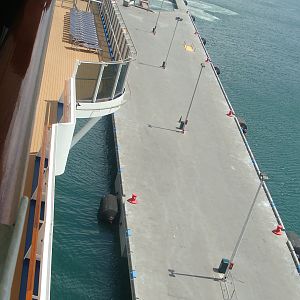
x=154 y=28
x=262 y=178
x=184 y=123
x=178 y=19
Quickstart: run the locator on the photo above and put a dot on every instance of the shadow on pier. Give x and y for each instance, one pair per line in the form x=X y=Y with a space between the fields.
x=164 y=128
x=172 y=273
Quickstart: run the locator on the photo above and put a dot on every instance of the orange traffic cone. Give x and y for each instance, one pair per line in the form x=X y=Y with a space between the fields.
x=278 y=230
x=133 y=200
x=230 y=113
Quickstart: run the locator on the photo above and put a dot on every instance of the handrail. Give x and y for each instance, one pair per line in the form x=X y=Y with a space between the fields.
x=256 y=167
x=36 y=222
x=112 y=30
x=45 y=266
x=132 y=47
x=115 y=62
x=114 y=6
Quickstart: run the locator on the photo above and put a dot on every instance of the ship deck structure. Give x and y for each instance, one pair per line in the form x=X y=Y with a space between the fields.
x=76 y=81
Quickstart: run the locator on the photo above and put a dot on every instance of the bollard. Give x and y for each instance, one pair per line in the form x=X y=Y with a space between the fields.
x=230 y=113
x=133 y=199
x=278 y=230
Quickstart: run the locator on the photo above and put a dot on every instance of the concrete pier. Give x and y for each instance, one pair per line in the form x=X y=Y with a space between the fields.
x=194 y=190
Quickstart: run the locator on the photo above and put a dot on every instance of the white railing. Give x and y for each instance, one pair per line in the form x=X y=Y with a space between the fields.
x=118 y=38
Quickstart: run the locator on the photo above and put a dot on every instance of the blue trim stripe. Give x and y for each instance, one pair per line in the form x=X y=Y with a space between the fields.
x=30 y=225
x=24 y=279
x=35 y=174
x=36 y=278
x=111 y=54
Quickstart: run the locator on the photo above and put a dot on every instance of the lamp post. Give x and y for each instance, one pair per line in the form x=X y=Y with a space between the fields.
x=262 y=178
x=184 y=123
x=154 y=28
x=178 y=19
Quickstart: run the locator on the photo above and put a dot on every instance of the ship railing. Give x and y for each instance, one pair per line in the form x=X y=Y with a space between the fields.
x=126 y=32
x=119 y=41
x=100 y=81
x=60 y=137
x=46 y=259
x=36 y=231
x=256 y=167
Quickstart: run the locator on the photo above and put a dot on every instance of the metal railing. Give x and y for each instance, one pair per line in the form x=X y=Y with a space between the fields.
x=117 y=35
x=94 y=84
x=36 y=222
x=126 y=32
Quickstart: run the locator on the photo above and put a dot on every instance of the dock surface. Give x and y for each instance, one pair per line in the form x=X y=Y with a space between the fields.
x=195 y=189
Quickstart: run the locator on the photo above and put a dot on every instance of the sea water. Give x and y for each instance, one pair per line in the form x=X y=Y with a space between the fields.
x=86 y=261
x=256 y=45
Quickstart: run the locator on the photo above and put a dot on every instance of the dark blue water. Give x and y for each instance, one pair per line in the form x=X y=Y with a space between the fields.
x=256 y=44
x=86 y=256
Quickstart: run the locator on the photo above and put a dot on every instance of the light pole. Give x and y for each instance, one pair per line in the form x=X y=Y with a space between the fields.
x=154 y=28
x=178 y=19
x=262 y=178
x=184 y=123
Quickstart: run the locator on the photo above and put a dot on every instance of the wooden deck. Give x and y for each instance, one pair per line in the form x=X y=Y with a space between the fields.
x=59 y=65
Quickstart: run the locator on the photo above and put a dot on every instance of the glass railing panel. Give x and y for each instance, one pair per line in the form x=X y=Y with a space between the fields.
x=107 y=82
x=86 y=80
x=120 y=85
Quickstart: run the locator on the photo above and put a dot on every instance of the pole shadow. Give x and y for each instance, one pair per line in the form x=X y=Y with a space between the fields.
x=164 y=128
x=149 y=65
x=143 y=30
x=172 y=273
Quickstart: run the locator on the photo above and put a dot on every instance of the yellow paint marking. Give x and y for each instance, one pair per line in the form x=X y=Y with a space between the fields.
x=189 y=48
